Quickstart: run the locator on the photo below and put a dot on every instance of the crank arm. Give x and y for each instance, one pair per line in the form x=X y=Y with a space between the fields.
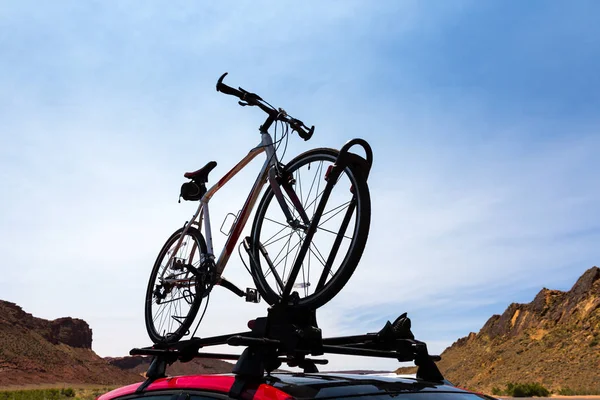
x=230 y=286
x=250 y=294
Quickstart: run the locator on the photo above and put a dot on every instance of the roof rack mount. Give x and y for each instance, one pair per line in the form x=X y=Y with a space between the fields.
x=288 y=335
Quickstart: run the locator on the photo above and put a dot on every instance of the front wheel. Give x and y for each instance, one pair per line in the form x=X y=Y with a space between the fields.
x=174 y=292
x=338 y=243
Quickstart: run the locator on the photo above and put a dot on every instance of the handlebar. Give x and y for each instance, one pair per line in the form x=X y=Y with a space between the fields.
x=221 y=87
x=252 y=99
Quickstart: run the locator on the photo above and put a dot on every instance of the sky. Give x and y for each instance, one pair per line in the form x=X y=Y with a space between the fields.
x=483 y=119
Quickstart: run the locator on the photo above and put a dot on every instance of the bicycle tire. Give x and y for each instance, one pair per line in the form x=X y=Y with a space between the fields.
x=355 y=249
x=194 y=305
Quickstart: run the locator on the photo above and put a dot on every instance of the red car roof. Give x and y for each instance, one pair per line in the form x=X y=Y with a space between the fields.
x=213 y=383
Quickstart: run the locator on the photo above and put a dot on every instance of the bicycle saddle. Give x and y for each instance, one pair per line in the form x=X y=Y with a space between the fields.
x=201 y=176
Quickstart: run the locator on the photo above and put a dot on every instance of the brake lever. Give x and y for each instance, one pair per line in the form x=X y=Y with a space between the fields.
x=309 y=133
x=299 y=127
x=295 y=122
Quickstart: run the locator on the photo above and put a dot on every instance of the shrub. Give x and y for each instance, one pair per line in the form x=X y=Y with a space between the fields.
x=578 y=392
x=526 y=390
x=67 y=392
x=38 y=394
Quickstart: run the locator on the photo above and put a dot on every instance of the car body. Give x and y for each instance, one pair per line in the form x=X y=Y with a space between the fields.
x=289 y=386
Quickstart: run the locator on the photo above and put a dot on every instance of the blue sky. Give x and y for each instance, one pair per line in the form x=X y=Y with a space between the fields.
x=482 y=117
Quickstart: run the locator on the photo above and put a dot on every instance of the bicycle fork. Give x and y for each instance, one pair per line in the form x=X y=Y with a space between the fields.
x=286 y=180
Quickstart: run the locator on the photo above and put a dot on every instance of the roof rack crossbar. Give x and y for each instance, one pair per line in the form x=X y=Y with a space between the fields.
x=288 y=335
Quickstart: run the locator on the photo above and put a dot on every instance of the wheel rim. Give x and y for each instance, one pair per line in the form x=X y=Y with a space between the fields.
x=173 y=295
x=282 y=242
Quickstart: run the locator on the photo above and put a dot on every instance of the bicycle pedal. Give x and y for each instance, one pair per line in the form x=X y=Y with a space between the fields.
x=252 y=295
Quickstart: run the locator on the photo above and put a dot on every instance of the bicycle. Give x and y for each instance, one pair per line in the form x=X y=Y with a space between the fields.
x=289 y=215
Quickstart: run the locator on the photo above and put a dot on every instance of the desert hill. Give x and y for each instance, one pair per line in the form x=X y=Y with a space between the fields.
x=37 y=351
x=140 y=364
x=554 y=340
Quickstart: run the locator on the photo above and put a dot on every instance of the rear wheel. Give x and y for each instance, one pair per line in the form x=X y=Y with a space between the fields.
x=337 y=245
x=174 y=293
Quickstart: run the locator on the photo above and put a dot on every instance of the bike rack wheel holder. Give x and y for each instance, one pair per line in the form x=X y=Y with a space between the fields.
x=361 y=167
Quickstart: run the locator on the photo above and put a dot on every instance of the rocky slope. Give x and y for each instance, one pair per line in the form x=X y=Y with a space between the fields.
x=35 y=350
x=140 y=364
x=554 y=340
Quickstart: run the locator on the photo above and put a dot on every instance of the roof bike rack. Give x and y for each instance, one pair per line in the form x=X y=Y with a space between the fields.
x=288 y=335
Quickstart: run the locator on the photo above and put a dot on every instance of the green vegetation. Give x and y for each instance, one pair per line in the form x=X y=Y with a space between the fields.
x=578 y=392
x=526 y=390
x=53 y=394
x=522 y=390
x=535 y=389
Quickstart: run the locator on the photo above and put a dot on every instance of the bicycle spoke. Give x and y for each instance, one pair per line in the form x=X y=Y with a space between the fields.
x=278 y=254
x=275 y=222
x=285 y=264
x=299 y=182
x=183 y=250
x=294 y=262
x=314 y=201
x=318 y=186
x=304 y=278
x=168 y=319
x=312 y=184
x=307 y=290
x=320 y=194
x=322 y=258
x=323 y=223
x=157 y=315
x=267 y=241
x=287 y=243
x=178 y=306
x=332 y=232
x=162 y=319
x=335 y=208
x=275 y=241
x=285 y=257
x=318 y=257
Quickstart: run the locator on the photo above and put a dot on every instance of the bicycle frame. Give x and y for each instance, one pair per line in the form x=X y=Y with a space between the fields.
x=202 y=213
